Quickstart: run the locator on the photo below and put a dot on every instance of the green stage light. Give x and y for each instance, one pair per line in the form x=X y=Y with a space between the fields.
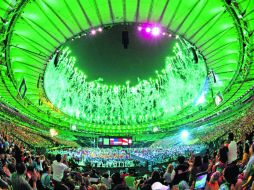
x=176 y=86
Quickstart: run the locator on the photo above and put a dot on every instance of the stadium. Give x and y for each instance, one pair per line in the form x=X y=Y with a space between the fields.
x=126 y=94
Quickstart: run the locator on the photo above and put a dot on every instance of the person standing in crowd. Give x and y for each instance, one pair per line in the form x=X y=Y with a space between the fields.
x=38 y=164
x=149 y=182
x=232 y=149
x=221 y=160
x=246 y=154
x=19 y=181
x=213 y=183
x=116 y=179
x=106 y=180
x=181 y=170
x=46 y=178
x=250 y=165
x=231 y=181
x=130 y=179
x=169 y=175
x=59 y=168
x=195 y=169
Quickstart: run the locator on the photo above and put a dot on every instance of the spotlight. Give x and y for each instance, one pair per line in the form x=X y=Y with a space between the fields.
x=148 y=29
x=53 y=132
x=73 y=127
x=100 y=29
x=93 y=32
x=155 y=129
x=155 y=31
x=184 y=134
x=139 y=28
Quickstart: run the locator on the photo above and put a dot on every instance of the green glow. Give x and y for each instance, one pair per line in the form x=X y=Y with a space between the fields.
x=176 y=86
x=34 y=30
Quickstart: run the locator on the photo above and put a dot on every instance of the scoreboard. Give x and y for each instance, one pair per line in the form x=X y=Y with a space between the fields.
x=114 y=141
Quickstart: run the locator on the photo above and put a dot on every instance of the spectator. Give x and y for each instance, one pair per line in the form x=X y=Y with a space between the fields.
x=240 y=151
x=183 y=185
x=246 y=154
x=154 y=178
x=59 y=168
x=18 y=179
x=230 y=176
x=195 y=169
x=169 y=175
x=221 y=161
x=130 y=179
x=139 y=184
x=232 y=149
x=213 y=184
x=250 y=165
x=106 y=180
x=116 y=179
x=102 y=186
x=38 y=164
x=181 y=170
x=46 y=178
x=92 y=187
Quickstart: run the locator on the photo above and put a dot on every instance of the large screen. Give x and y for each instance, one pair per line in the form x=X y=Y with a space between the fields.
x=114 y=141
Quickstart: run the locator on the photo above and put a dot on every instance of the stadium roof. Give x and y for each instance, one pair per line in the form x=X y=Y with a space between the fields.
x=32 y=31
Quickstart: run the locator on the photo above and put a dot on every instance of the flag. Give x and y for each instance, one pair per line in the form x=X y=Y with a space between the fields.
x=115 y=141
x=125 y=141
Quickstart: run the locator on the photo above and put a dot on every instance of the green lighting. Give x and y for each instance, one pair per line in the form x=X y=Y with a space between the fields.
x=180 y=81
x=32 y=30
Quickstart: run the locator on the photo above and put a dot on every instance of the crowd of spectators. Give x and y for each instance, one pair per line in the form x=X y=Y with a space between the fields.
x=26 y=135
x=227 y=166
x=152 y=154
x=162 y=155
x=239 y=126
x=231 y=167
x=33 y=138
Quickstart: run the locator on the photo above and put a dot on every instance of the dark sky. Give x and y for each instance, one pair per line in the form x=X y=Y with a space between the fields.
x=103 y=55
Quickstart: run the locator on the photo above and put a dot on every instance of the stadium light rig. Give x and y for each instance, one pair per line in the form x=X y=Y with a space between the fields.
x=152 y=30
x=53 y=132
x=184 y=134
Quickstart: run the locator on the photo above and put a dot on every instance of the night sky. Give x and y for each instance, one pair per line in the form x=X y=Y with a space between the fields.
x=103 y=55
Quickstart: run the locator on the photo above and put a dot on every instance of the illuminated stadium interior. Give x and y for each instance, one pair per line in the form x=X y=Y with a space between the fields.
x=188 y=66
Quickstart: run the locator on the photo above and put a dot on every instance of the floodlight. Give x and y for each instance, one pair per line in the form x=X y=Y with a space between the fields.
x=53 y=132
x=148 y=29
x=184 y=134
x=155 y=31
x=73 y=127
x=93 y=32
